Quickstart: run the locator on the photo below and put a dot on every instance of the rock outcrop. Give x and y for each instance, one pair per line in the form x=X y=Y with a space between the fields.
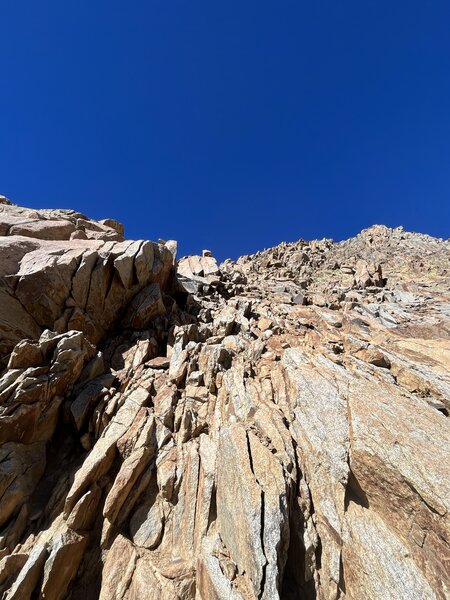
x=274 y=427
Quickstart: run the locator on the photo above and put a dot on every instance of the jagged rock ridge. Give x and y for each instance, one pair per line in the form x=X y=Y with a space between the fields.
x=274 y=427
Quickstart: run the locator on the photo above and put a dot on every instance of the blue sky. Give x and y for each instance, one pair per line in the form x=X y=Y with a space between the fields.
x=229 y=125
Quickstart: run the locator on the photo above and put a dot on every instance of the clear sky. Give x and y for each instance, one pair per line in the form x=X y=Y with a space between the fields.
x=229 y=125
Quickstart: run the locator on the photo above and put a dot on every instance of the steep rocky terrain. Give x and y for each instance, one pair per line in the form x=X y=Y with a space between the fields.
x=275 y=427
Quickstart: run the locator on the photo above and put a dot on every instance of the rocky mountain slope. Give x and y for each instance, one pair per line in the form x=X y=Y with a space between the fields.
x=274 y=427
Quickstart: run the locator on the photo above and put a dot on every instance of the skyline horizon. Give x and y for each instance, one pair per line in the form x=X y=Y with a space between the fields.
x=236 y=257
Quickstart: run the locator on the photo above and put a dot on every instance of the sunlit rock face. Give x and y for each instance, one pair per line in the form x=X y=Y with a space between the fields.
x=274 y=427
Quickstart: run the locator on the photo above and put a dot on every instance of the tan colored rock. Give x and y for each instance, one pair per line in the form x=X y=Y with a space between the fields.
x=146 y=582
x=321 y=431
x=376 y=563
x=25 y=354
x=200 y=266
x=84 y=513
x=29 y=575
x=118 y=570
x=15 y=322
x=146 y=525
x=166 y=473
x=184 y=518
x=239 y=505
x=275 y=535
x=144 y=307
x=368 y=274
x=212 y=582
x=79 y=283
x=62 y=564
x=44 y=230
x=21 y=467
x=12 y=533
x=131 y=469
x=87 y=398
x=398 y=463
x=10 y=565
x=32 y=396
x=113 y=224
x=101 y=457
x=212 y=435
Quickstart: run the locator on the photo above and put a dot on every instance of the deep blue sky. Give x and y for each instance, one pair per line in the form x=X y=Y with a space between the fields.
x=229 y=125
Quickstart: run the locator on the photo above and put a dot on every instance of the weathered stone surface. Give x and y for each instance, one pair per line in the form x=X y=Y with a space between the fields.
x=54 y=224
x=63 y=283
x=29 y=575
x=212 y=582
x=368 y=274
x=131 y=469
x=144 y=307
x=21 y=467
x=88 y=397
x=84 y=513
x=398 y=463
x=31 y=396
x=10 y=565
x=118 y=570
x=377 y=563
x=62 y=564
x=320 y=429
x=101 y=457
x=146 y=525
x=239 y=505
x=201 y=266
x=274 y=427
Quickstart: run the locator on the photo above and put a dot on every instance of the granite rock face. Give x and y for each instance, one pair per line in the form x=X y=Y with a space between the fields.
x=274 y=427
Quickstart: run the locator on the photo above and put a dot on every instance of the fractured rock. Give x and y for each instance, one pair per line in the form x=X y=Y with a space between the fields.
x=273 y=427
